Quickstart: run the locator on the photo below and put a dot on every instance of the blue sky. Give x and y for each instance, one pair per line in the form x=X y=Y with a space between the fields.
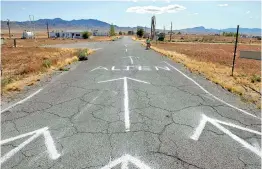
x=183 y=14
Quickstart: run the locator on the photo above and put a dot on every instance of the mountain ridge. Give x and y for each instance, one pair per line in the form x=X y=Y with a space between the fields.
x=58 y=23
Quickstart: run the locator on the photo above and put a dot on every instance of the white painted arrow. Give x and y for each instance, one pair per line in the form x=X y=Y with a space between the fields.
x=217 y=123
x=124 y=160
x=49 y=142
x=126 y=104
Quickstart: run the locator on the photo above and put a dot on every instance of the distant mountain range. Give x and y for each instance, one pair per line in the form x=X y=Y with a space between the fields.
x=84 y=24
x=203 y=30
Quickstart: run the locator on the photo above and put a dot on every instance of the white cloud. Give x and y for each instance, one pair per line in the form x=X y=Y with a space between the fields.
x=23 y=8
x=155 y=9
x=222 y=5
x=247 y=12
x=193 y=13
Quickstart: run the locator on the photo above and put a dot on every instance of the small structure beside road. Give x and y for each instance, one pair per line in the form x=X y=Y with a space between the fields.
x=75 y=34
x=27 y=35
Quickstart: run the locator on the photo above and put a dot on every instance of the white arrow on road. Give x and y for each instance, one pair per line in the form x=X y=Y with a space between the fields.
x=124 y=160
x=49 y=142
x=126 y=104
x=217 y=123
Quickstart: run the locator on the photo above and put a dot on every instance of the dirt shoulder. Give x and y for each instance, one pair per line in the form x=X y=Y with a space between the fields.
x=214 y=62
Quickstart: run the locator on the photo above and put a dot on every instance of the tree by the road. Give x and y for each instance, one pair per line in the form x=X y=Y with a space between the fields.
x=86 y=35
x=140 y=32
x=112 y=30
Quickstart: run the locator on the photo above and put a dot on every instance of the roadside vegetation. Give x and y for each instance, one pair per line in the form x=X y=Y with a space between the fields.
x=86 y=35
x=214 y=61
x=26 y=64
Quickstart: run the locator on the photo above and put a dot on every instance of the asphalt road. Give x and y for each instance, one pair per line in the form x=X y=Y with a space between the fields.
x=127 y=107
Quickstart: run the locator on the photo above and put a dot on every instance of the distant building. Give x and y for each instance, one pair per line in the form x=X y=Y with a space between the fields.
x=100 y=33
x=74 y=34
x=27 y=35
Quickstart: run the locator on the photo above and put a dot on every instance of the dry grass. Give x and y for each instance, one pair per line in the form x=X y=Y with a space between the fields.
x=214 y=62
x=24 y=65
x=210 y=39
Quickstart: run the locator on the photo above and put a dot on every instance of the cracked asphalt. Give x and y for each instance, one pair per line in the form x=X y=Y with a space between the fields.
x=86 y=119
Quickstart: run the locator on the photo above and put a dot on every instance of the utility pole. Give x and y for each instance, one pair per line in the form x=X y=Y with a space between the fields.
x=8 y=24
x=47 y=29
x=171 y=32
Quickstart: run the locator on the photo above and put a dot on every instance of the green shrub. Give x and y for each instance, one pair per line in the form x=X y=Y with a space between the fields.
x=63 y=69
x=86 y=35
x=47 y=63
x=161 y=37
x=112 y=30
x=140 y=32
x=6 y=81
x=82 y=54
x=255 y=78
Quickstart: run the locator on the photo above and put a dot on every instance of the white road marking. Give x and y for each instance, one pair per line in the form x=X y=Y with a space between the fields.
x=97 y=49
x=126 y=105
x=217 y=123
x=125 y=45
x=114 y=69
x=99 y=67
x=126 y=101
x=164 y=68
x=207 y=92
x=126 y=50
x=131 y=60
x=49 y=142
x=145 y=68
x=255 y=143
x=88 y=105
x=124 y=160
x=21 y=101
x=127 y=68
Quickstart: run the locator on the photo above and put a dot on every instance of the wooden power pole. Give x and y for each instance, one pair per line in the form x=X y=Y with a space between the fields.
x=235 y=51
x=171 y=32
x=47 y=29
x=8 y=24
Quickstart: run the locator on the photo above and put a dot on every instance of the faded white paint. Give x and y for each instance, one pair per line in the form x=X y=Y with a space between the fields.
x=114 y=69
x=128 y=68
x=88 y=105
x=22 y=101
x=97 y=49
x=49 y=143
x=132 y=68
x=145 y=68
x=99 y=68
x=163 y=68
x=124 y=160
x=207 y=92
x=126 y=98
x=217 y=123
x=131 y=59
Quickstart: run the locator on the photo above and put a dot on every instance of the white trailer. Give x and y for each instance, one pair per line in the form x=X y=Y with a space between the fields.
x=27 y=35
